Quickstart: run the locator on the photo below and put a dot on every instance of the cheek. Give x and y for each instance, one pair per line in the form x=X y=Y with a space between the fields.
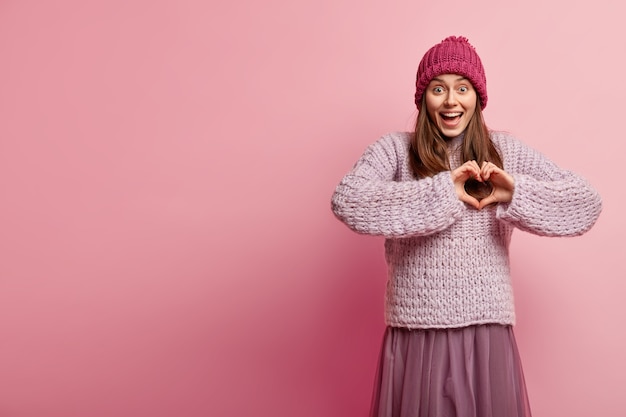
x=431 y=107
x=470 y=107
x=470 y=104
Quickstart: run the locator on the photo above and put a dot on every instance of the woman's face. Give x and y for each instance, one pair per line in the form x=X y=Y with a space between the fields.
x=450 y=103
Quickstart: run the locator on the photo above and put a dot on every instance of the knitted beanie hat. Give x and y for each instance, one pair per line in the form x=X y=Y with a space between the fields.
x=454 y=55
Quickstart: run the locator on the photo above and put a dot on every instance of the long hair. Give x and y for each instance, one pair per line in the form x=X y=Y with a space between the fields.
x=429 y=152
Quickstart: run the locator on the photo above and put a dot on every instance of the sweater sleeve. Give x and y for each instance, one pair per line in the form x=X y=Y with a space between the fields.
x=547 y=200
x=370 y=199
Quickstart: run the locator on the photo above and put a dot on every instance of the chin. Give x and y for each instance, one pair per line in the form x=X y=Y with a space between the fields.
x=451 y=133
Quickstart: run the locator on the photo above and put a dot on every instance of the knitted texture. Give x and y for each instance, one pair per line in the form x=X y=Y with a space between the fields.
x=454 y=55
x=448 y=263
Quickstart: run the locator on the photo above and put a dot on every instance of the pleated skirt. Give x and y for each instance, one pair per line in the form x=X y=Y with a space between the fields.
x=472 y=371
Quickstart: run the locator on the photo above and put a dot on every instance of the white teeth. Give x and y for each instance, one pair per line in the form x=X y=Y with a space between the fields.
x=451 y=114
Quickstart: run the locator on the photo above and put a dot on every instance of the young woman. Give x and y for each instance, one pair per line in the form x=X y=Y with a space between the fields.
x=447 y=197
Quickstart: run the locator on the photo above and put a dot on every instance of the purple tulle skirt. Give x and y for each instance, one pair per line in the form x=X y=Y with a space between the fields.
x=472 y=371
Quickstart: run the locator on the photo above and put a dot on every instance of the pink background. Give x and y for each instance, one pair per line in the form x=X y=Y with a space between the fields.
x=166 y=242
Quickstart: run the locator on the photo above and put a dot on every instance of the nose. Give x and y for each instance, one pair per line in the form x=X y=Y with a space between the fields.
x=450 y=98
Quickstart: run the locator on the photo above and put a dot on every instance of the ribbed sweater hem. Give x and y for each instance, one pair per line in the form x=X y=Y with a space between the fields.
x=414 y=326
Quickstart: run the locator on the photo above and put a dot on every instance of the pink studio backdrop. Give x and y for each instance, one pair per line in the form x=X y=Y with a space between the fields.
x=167 y=247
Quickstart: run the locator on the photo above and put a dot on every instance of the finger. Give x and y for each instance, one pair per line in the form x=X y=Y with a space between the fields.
x=490 y=199
x=493 y=172
x=471 y=164
x=487 y=169
x=475 y=169
x=466 y=198
x=501 y=178
x=464 y=172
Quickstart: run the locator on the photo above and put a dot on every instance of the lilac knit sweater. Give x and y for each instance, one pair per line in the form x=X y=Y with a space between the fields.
x=448 y=263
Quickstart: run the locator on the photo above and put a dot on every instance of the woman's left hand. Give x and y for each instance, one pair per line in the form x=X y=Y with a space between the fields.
x=503 y=184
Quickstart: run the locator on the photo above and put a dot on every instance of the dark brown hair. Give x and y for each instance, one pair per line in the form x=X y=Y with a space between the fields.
x=429 y=152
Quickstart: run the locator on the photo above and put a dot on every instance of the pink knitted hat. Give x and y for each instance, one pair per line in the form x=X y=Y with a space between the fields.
x=454 y=55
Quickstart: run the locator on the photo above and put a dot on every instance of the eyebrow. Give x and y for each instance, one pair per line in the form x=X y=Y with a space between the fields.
x=458 y=79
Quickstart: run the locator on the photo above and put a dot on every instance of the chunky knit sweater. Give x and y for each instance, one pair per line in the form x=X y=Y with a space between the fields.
x=448 y=263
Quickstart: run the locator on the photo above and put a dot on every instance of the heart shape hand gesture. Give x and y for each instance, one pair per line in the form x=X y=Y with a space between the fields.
x=501 y=183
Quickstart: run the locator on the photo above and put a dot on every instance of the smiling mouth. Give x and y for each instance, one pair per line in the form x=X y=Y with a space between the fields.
x=450 y=116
